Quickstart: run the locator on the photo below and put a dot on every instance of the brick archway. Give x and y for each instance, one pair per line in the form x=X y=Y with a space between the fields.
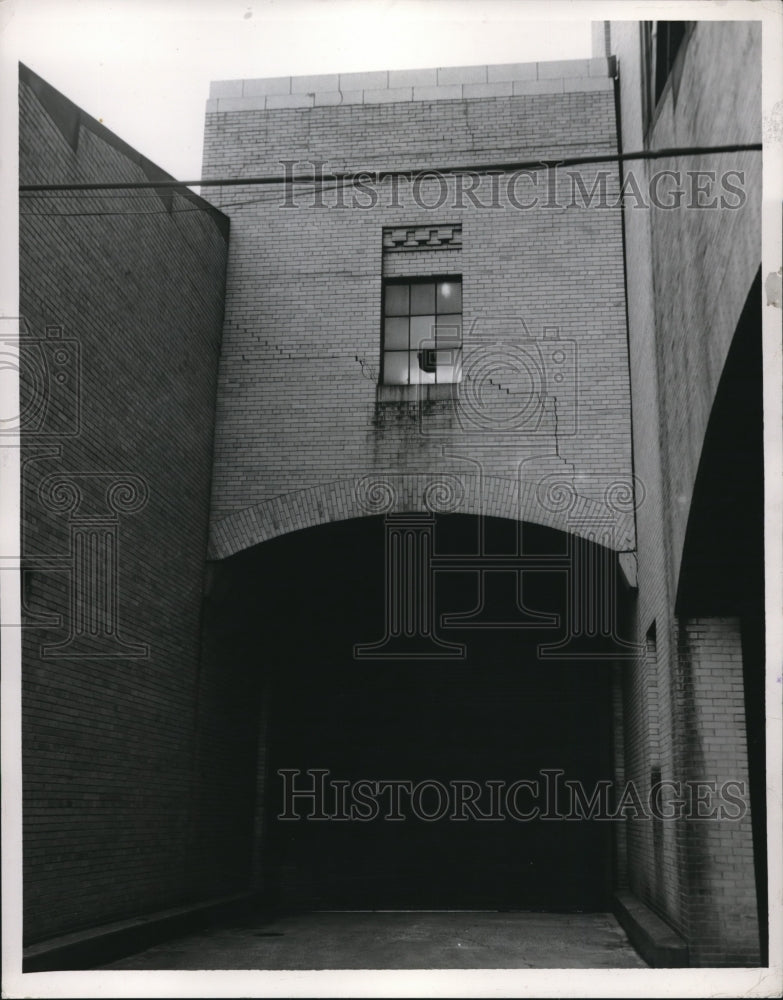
x=552 y=502
x=315 y=664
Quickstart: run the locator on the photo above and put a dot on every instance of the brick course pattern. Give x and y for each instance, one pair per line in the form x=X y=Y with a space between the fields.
x=718 y=893
x=130 y=287
x=688 y=275
x=545 y=397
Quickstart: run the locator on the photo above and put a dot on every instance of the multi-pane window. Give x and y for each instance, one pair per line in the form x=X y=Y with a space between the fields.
x=669 y=36
x=422 y=331
x=661 y=41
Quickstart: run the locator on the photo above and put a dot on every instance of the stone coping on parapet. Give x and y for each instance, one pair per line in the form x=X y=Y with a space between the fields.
x=455 y=83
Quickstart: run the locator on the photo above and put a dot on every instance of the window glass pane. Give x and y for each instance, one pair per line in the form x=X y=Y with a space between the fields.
x=449 y=297
x=396 y=300
x=395 y=367
x=420 y=362
x=422 y=299
x=449 y=331
x=396 y=334
x=422 y=330
x=448 y=366
x=427 y=360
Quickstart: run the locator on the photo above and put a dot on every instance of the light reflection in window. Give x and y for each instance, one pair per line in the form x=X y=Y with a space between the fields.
x=422 y=332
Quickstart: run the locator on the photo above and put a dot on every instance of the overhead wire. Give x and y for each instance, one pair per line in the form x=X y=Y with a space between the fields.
x=333 y=180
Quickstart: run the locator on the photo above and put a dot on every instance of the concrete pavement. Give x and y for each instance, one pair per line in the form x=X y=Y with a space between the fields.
x=400 y=940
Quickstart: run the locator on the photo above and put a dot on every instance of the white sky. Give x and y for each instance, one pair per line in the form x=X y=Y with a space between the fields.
x=144 y=66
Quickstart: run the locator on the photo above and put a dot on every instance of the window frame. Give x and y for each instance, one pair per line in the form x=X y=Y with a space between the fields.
x=655 y=91
x=410 y=280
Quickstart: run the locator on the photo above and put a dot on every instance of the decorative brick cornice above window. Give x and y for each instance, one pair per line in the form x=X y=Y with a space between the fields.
x=443 y=237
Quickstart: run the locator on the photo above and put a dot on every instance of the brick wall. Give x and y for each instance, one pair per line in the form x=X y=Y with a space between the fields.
x=689 y=272
x=653 y=600
x=122 y=296
x=302 y=428
x=718 y=892
x=702 y=290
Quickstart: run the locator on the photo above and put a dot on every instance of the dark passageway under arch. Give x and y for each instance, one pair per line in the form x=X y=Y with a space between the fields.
x=292 y=612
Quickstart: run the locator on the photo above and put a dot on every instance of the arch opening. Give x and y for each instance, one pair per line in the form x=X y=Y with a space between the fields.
x=478 y=744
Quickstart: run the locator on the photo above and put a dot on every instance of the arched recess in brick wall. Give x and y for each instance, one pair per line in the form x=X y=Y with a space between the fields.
x=556 y=501
x=721 y=644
